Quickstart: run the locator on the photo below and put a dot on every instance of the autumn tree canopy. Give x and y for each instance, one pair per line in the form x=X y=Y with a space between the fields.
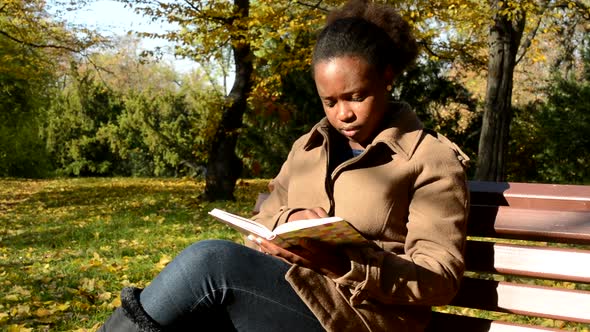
x=494 y=36
x=481 y=60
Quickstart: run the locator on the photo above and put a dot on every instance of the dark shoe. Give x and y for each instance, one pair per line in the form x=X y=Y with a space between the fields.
x=118 y=322
x=130 y=317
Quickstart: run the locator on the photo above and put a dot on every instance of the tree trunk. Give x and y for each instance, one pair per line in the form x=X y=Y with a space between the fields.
x=504 y=40
x=224 y=167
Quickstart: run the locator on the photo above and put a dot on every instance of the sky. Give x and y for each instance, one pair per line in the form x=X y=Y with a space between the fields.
x=112 y=18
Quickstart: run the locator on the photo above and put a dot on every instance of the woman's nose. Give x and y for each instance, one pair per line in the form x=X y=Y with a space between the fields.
x=345 y=113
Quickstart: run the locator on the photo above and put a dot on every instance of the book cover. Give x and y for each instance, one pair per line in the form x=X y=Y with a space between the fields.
x=332 y=230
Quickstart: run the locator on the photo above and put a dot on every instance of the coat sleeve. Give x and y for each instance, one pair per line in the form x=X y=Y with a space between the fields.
x=430 y=269
x=274 y=210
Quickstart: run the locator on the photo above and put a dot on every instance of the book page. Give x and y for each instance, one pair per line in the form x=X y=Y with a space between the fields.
x=244 y=225
x=304 y=223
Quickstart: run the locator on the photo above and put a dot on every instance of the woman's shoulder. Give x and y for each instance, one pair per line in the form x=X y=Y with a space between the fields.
x=435 y=147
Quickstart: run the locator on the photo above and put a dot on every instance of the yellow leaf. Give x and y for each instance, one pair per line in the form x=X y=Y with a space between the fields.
x=88 y=284
x=11 y=297
x=43 y=312
x=116 y=302
x=164 y=260
x=63 y=307
x=105 y=296
x=20 y=310
x=20 y=291
x=18 y=328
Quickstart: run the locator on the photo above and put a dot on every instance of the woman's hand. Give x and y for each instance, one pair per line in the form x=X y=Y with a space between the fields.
x=318 y=256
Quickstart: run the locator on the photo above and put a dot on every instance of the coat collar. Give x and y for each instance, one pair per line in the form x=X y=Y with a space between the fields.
x=402 y=135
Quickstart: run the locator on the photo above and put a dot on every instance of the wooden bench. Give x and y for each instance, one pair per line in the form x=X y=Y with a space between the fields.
x=528 y=255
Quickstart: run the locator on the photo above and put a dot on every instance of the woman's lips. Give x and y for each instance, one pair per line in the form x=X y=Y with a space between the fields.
x=349 y=132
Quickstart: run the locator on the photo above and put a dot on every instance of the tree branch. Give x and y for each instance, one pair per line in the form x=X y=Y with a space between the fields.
x=224 y=20
x=528 y=40
x=63 y=47
x=316 y=6
x=430 y=50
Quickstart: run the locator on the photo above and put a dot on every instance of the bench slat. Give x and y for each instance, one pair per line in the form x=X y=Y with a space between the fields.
x=538 y=301
x=539 y=262
x=516 y=223
x=531 y=195
x=443 y=322
x=507 y=327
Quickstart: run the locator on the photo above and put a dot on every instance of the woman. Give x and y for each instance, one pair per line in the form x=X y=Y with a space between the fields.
x=369 y=161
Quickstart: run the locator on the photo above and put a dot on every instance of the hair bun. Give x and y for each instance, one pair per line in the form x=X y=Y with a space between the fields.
x=387 y=19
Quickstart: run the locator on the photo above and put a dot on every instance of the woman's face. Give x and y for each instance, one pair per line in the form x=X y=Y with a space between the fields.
x=354 y=96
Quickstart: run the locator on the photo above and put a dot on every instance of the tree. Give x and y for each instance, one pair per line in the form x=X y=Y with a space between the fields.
x=504 y=42
x=224 y=167
x=209 y=27
x=510 y=29
x=249 y=29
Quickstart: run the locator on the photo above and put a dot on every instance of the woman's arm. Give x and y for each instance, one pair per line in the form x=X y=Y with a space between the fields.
x=432 y=265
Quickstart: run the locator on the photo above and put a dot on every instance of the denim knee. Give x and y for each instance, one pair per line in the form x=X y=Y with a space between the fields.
x=211 y=251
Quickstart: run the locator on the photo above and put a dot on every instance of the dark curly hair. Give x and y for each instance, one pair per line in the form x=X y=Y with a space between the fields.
x=375 y=32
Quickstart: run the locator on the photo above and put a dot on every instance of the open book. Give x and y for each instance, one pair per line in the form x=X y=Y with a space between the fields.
x=332 y=230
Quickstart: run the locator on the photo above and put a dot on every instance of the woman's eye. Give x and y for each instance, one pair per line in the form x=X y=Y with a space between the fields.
x=329 y=103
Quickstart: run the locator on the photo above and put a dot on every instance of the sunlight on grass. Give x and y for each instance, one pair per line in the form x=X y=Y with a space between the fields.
x=68 y=246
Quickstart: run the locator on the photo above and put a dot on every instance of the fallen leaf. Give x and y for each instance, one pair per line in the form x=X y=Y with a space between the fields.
x=41 y=312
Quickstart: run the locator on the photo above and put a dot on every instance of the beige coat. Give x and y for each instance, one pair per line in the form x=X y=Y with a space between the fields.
x=407 y=191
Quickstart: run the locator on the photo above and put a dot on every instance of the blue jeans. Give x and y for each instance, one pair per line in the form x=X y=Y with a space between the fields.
x=223 y=286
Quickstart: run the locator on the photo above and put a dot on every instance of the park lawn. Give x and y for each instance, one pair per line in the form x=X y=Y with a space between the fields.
x=68 y=246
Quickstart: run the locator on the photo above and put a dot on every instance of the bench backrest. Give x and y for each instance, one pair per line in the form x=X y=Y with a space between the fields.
x=528 y=255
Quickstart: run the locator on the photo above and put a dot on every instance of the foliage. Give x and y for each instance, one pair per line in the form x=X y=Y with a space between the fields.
x=496 y=35
x=275 y=31
x=457 y=30
x=33 y=50
x=163 y=132
x=29 y=24
x=24 y=75
x=116 y=113
x=67 y=247
x=128 y=115
x=555 y=134
x=21 y=112
x=22 y=152
x=273 y=124
x=272 y=37
x=74 y=119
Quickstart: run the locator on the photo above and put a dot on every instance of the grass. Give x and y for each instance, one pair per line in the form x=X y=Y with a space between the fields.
x=68 y=246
